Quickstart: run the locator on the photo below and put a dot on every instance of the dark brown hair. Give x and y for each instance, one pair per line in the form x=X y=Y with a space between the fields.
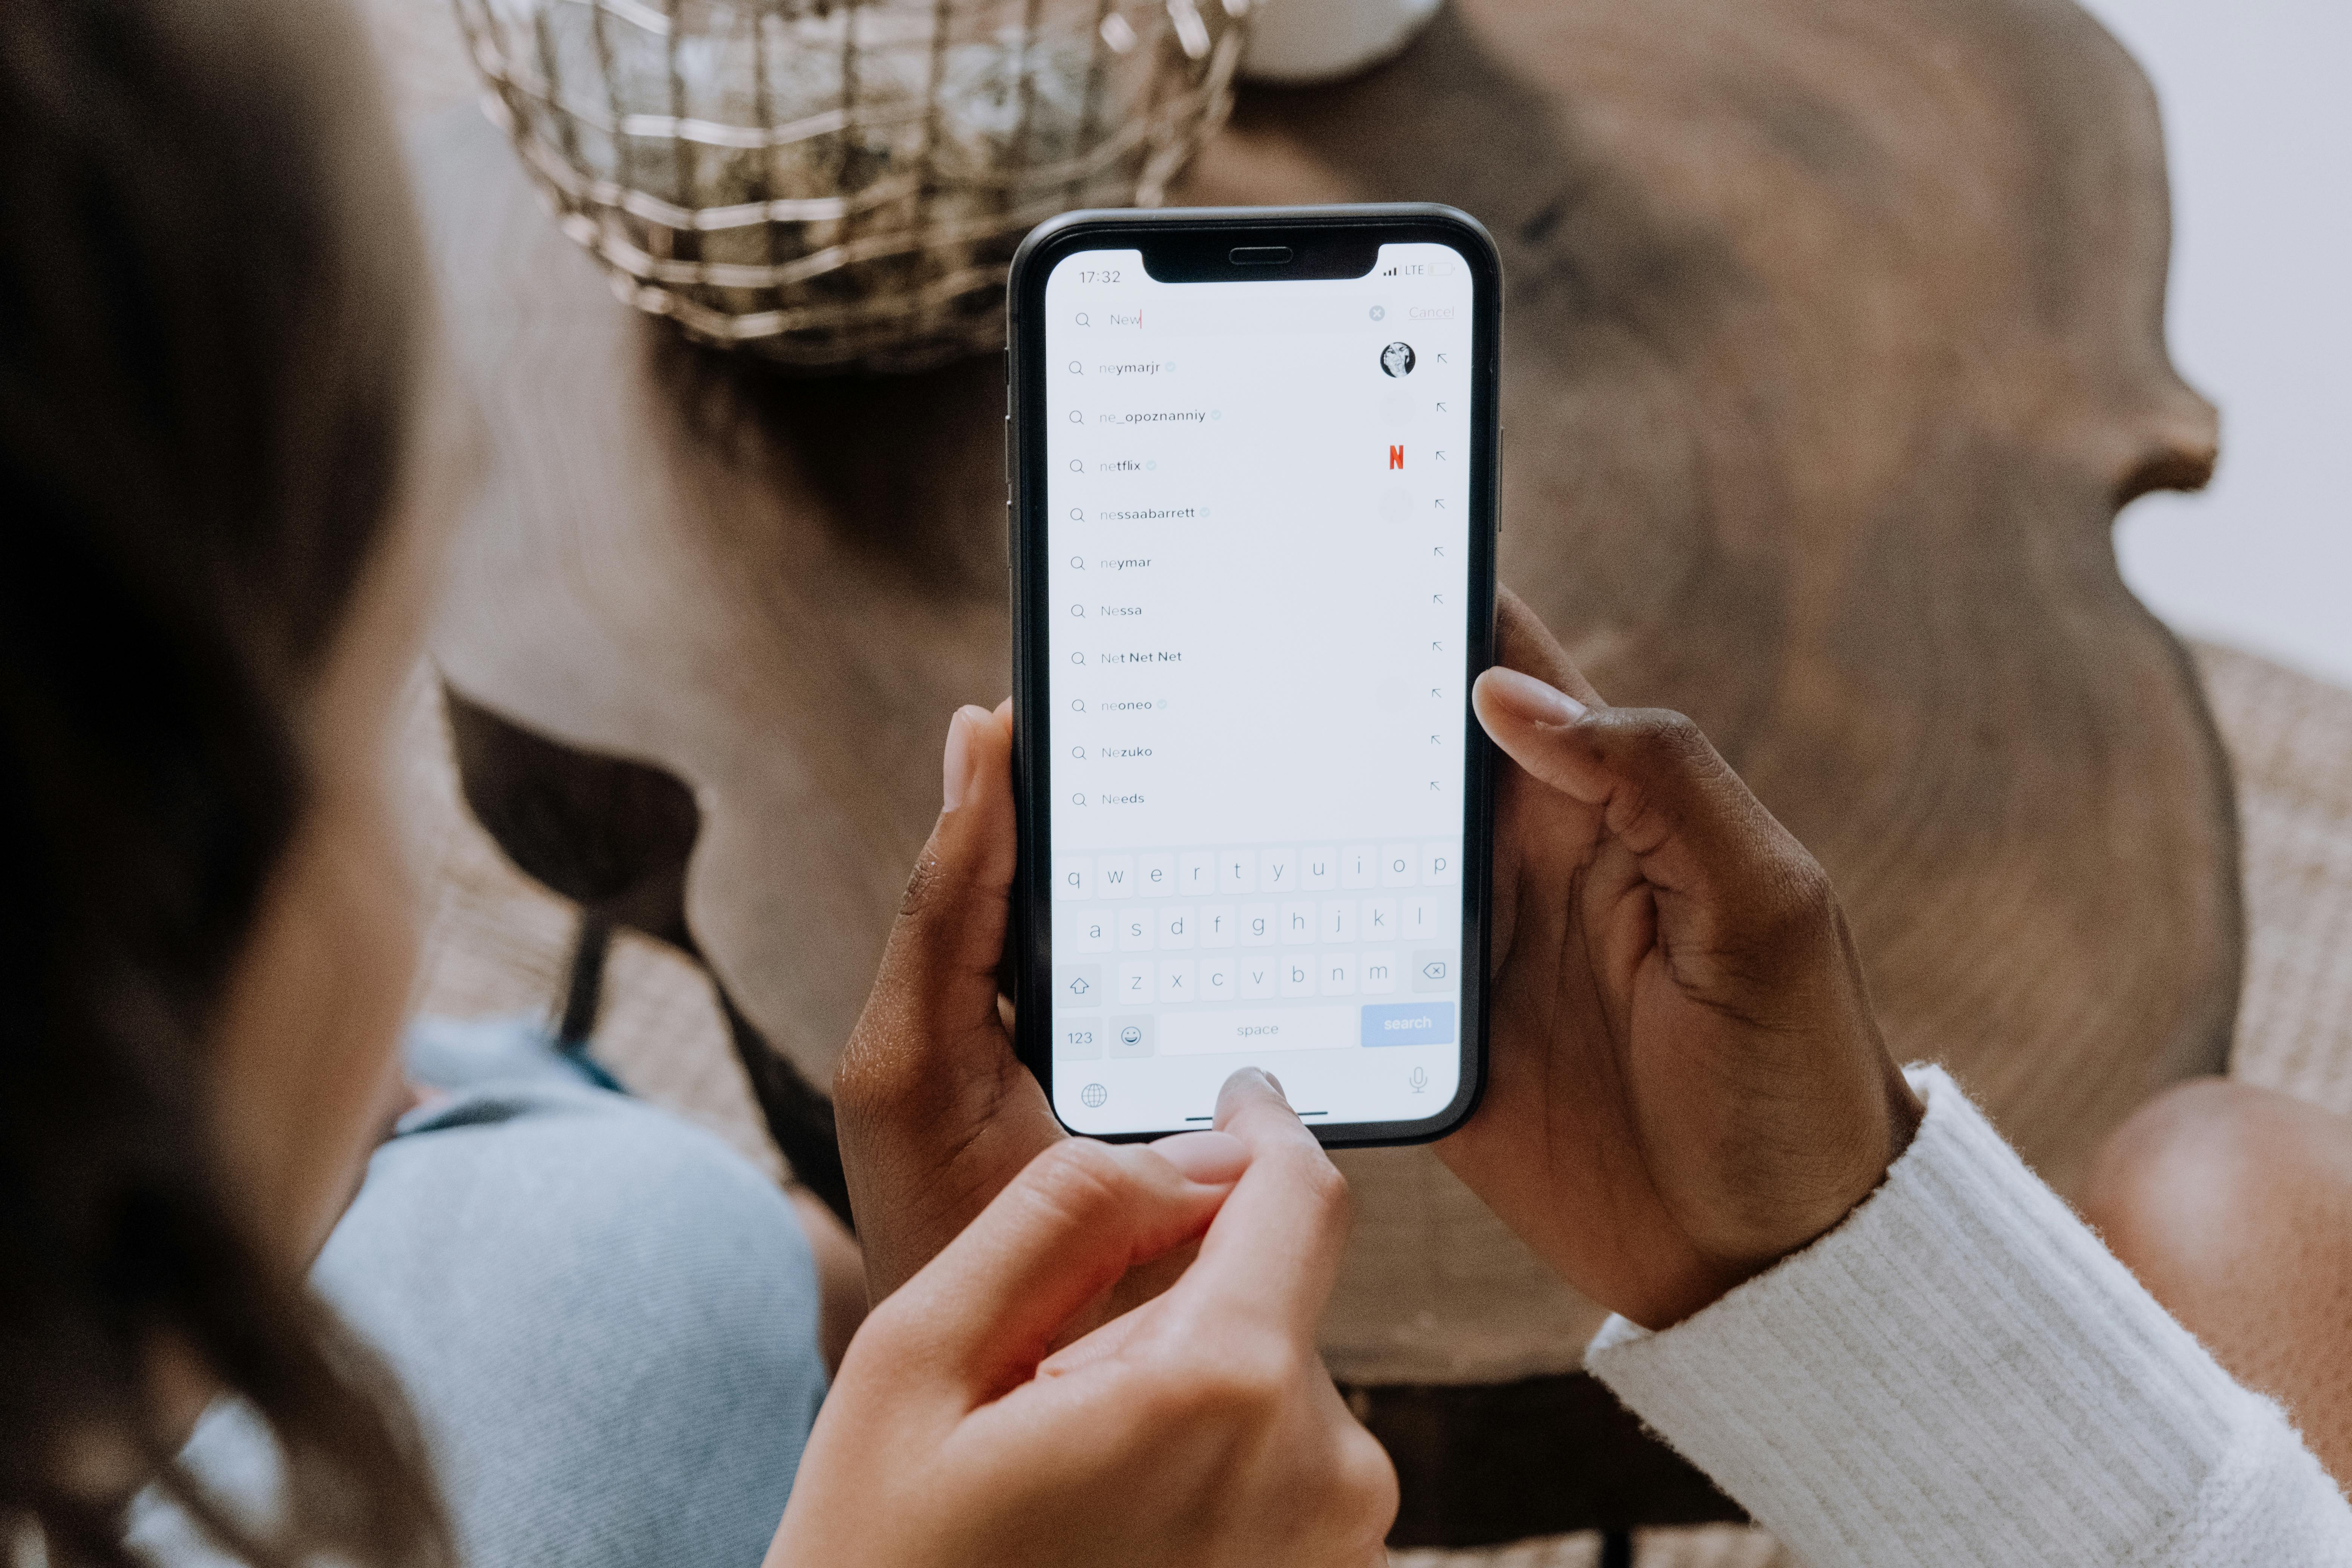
x=206 y=325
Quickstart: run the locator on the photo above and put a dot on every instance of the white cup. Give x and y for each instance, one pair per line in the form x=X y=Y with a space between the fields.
x=1293 y=42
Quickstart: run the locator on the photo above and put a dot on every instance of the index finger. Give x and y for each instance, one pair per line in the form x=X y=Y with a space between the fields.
x=1274 y=1248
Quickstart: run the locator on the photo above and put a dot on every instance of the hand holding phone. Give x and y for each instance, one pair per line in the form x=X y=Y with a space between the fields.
x=934 y=1114
x=1687 y=1080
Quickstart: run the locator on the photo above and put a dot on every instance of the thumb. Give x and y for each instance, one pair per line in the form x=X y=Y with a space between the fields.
x=990 y=1306
x=950 y=926
x=938 y=979
x=1724 y=865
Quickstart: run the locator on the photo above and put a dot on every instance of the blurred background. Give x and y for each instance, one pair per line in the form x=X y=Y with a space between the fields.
x=2258 y=122
x=2258 y=128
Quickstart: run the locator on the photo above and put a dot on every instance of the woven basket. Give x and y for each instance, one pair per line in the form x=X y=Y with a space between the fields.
x=838 y=184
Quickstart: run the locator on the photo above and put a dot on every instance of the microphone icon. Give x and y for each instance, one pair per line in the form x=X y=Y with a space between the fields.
x=1419 y=1079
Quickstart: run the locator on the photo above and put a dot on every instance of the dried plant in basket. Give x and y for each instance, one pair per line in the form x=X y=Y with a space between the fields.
x=839 y=183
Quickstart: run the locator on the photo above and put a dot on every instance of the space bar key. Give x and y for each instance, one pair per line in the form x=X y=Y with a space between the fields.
x=1272 y=1029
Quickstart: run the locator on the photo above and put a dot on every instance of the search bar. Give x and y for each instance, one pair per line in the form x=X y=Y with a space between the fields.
x=1224 y=310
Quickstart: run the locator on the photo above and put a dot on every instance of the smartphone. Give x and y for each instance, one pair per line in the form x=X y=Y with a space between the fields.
x=1252 y=458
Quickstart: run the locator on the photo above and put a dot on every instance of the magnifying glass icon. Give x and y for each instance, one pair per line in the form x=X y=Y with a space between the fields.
x=1077 y=704
x=1077 y=369
x=1078 y=562
x=1078 y=609
x=1082 y=320
x=1076 y=466
x=1078 y=515
x=1078 y=800
x=1076 y=418
x=1077 y=658
x=1079 y=752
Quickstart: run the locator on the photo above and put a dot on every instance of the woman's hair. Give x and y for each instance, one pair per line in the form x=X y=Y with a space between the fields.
x=206 y=320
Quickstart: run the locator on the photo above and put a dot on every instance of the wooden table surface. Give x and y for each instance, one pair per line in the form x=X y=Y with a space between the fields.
x=1832 y=344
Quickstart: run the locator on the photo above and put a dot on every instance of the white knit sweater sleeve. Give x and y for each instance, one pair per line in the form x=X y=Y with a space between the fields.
x=1962 y=1373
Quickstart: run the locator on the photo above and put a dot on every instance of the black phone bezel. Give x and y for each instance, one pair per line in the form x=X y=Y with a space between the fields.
x=1195 y=245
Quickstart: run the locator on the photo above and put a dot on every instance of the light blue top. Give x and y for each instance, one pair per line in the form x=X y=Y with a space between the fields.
x=604 y=1318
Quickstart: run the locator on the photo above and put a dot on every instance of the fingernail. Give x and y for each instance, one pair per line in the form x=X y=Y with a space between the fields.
x=1272 y=1082
x=1211 y=1158
x=1231 y=1093
x=1530 y=700
x=959 y=768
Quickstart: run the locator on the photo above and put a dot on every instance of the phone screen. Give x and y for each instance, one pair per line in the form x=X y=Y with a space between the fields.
x=1258 y=532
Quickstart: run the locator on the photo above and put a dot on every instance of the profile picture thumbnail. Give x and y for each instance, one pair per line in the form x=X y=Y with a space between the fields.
x=1397 y=359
